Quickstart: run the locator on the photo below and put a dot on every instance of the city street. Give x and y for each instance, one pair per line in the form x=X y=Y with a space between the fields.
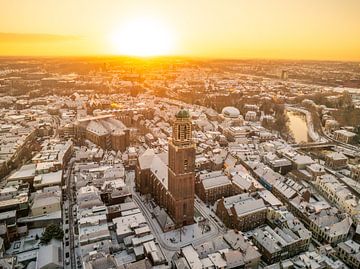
x=69 y=253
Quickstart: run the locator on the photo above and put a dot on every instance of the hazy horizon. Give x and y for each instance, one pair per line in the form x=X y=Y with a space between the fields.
x=301 y=30
x=185 y=57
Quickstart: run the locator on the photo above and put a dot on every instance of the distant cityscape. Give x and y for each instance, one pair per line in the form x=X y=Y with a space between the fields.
x=170 y=162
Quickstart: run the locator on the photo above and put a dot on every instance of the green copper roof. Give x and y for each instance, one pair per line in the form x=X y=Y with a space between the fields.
x=183 y=113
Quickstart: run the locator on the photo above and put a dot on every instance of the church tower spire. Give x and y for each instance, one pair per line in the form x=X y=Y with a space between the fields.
x=181 y=181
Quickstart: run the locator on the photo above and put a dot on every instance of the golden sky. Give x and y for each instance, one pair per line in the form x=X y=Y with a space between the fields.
x=285 y=29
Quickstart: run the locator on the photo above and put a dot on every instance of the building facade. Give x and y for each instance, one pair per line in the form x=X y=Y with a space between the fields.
x=349 y=252
x=355 y=172
x=336 y=160
x=344 y=136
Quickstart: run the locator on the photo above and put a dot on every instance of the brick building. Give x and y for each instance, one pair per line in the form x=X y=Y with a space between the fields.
x=336 y=160
x=170 y=180
x=213 y=187
x=242 y=212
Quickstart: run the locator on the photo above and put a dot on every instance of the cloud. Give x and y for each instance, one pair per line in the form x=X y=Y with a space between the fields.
x=35 y=38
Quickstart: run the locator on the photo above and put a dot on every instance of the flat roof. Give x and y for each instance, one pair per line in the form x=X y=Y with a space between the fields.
x=216 y=182
x=48 y=178
x=7 y=215
x=249 y=206
x=26 y=171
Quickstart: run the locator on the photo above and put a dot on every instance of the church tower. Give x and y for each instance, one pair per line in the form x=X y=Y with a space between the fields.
x=181 y=176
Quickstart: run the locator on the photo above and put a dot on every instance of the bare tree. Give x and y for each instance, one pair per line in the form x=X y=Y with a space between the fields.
x=203 y=224
x=181 y=231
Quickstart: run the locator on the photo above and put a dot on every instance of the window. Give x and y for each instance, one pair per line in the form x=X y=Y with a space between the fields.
x=185 y=132
x=186 y=162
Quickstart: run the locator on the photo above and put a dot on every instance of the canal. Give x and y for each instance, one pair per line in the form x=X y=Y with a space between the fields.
x=298 y=126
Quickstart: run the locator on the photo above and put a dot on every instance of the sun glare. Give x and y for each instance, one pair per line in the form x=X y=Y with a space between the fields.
x=143 y=37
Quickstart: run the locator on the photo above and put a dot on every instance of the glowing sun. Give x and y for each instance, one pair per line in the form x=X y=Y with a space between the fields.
x=143 y=37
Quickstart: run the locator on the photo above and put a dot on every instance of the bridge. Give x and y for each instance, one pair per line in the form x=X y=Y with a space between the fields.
x=314 y=145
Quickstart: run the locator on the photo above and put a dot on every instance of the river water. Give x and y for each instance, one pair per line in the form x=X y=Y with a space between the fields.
x=298 y=126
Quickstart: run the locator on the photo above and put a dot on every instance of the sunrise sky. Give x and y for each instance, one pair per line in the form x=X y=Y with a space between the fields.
x=285 y=29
